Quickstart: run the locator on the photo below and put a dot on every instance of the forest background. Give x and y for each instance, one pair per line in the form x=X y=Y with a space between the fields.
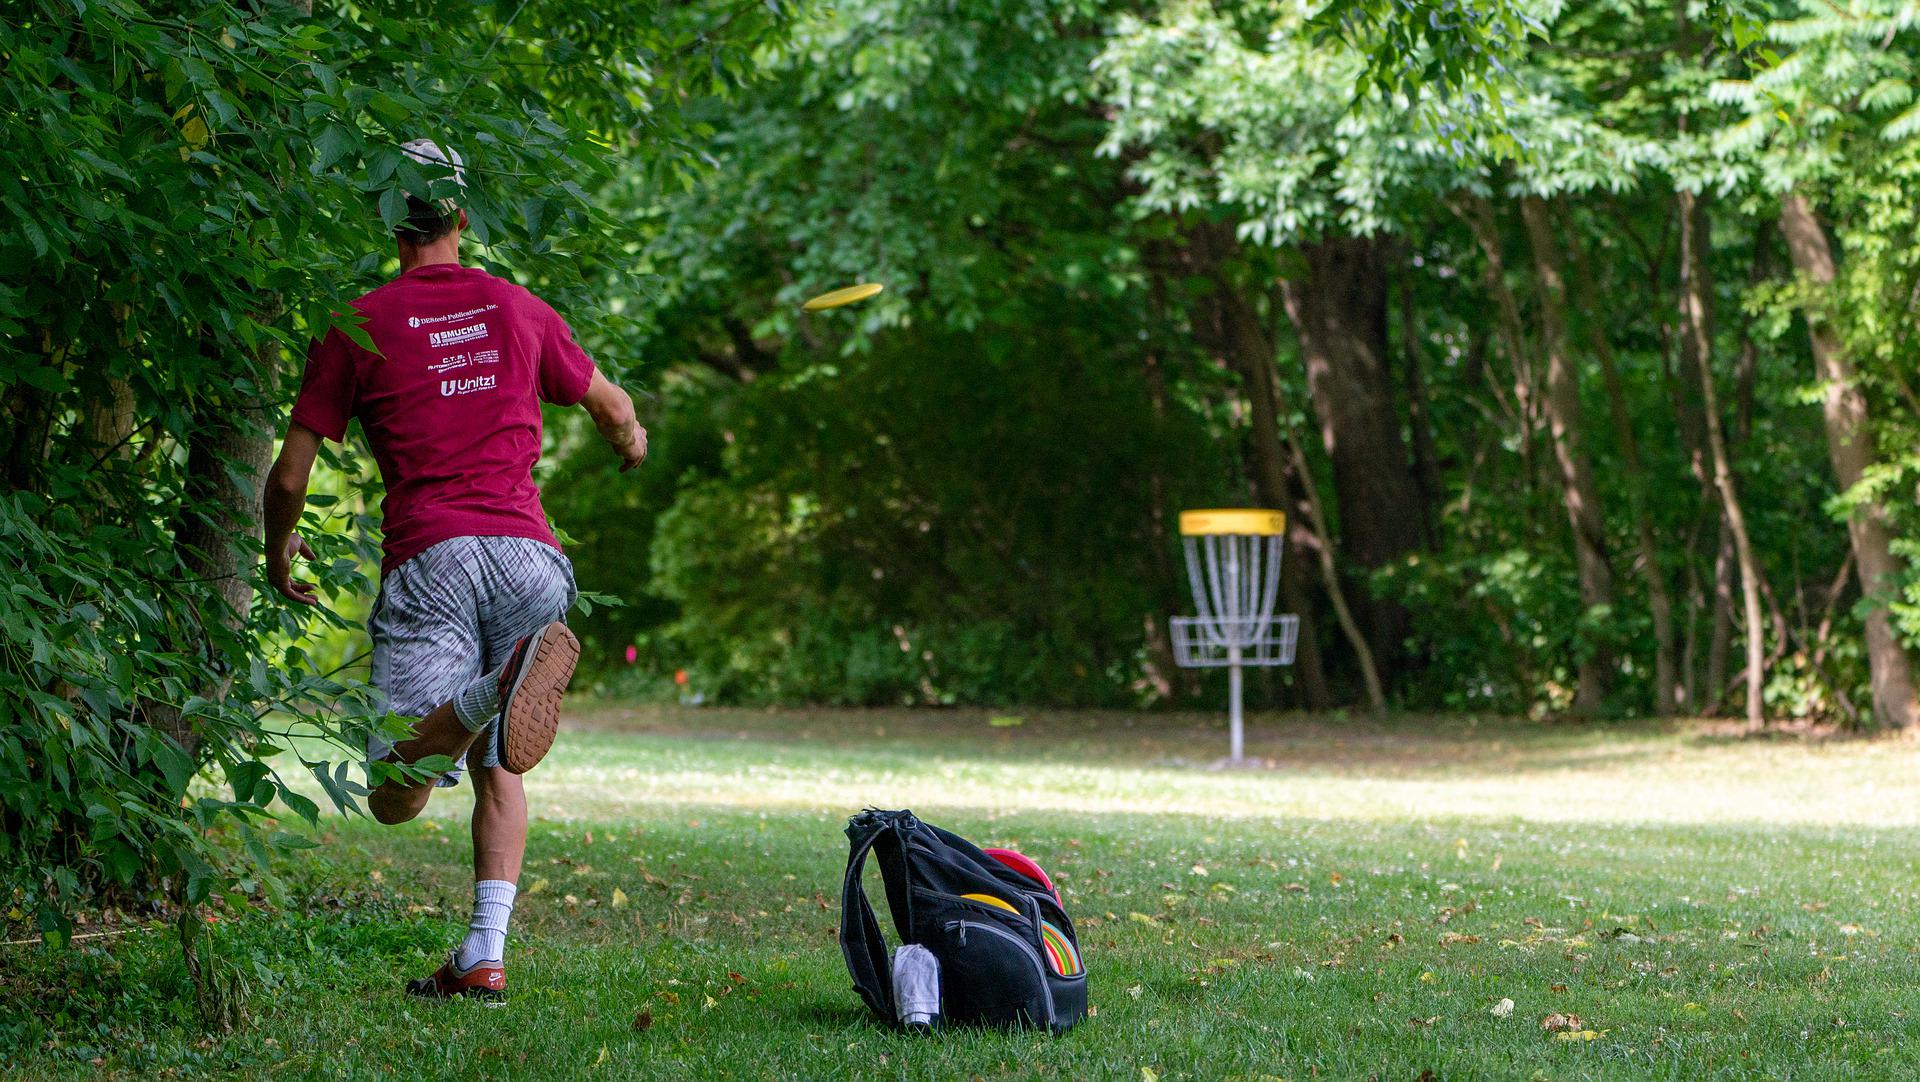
x=1576 y=340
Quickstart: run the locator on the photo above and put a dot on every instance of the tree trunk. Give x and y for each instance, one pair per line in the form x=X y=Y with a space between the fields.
x=1696 y=340
x=1164 y=674
x=1579 y=493
x=1659 y=599
x=1722 y=636
x=1253 y=354
x=109 y=421
x=1337 y=301
x=1478 y=214
x=1227 y=326
x=1850 y=447
x=1426 y=460
x=217 y=530
x=26 y=427
x=1369 y=675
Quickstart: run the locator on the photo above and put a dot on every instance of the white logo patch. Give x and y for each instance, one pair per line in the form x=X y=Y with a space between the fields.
x=451 y=387
x=457 y=335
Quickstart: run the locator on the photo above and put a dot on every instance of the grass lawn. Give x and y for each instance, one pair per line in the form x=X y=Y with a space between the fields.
x=1707 y=906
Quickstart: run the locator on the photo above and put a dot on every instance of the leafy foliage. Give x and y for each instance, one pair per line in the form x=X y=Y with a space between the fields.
x=193 y=191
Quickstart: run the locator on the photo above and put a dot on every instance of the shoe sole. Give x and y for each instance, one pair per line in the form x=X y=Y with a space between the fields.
x=531 y=718
x=492 y=997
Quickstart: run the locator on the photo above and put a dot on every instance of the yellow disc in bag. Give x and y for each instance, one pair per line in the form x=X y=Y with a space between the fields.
x=989 y=900
x=838 y=297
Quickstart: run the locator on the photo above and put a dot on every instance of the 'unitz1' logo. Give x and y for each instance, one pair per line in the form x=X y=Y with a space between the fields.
x=457 y=335
x=451 y=387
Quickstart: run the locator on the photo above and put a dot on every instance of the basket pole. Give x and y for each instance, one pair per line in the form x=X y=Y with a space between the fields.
x=1235 y=716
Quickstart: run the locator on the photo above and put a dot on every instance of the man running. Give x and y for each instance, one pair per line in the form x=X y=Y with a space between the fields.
x=466 y=629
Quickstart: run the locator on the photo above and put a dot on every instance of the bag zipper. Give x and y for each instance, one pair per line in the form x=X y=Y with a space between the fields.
x=1040 y=967
x=1018 y=914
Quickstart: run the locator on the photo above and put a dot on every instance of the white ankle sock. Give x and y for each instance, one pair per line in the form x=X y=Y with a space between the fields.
x=487 y=932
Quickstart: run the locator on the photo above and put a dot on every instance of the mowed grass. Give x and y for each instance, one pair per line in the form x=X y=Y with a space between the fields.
x=1356 y=907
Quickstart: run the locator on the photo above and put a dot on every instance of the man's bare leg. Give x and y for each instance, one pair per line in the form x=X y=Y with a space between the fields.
x=499 y=824
x=439 y=733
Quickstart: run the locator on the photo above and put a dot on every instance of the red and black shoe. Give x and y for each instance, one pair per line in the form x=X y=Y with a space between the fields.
x=486 y=980
x=532 y=683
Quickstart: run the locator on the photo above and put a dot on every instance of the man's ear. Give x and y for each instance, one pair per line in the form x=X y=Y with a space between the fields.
x=463 y=219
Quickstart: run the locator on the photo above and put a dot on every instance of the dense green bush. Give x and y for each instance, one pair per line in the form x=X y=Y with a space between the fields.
x=193 y=190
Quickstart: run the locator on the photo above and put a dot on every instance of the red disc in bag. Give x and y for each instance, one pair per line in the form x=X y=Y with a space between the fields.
x=1019 y=862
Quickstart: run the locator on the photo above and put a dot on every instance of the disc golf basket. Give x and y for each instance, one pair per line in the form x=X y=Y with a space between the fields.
x=1233 y=567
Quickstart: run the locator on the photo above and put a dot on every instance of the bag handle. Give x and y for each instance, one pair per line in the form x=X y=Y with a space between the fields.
x=861 y=940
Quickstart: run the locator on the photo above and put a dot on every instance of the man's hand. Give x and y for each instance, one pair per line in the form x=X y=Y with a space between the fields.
x=612 y=412
x=633 y=450
x=285 y=496
x=280 y=571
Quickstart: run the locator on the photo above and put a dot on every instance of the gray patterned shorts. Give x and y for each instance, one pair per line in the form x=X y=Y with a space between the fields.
x=451 y=615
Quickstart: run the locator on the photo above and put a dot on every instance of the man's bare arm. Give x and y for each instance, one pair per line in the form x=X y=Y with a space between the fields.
x=612 y=412
x=286 y=498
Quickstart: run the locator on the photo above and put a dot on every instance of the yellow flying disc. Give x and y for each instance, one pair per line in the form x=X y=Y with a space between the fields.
x=990 y=900
x=838 y=297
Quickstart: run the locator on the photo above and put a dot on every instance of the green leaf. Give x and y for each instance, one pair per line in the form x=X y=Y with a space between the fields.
x=333 y=143
x=393 y=208
x=303 y=807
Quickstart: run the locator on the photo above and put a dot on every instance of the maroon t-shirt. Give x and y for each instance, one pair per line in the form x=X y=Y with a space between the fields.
x=451 y=404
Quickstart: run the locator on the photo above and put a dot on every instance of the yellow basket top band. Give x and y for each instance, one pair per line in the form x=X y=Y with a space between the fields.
x=1256 y=521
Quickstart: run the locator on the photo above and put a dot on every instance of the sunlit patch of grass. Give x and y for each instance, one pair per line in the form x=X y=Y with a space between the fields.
x=1358 y=905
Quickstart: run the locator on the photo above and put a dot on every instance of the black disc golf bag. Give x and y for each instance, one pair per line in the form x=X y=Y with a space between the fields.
x=994 y=966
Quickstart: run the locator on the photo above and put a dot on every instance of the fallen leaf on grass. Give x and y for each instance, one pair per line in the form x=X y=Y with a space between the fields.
x=603 y=1056
x=1142 y=918
x=1502 y=1009
x=1419 y=1022
x=619 y=897
x=1557 y=1022
x=1148 y=1074
x=1006 y=721
x=1428 y=977
x=1294 y=888
x=1577 y=1035
x=1134 y=992
x=1450 y=938
x=538 y=886
x=710 y=1004
x=643 y=1021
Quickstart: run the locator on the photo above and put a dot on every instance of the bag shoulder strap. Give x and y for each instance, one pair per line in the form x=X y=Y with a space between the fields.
x=861 y=939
